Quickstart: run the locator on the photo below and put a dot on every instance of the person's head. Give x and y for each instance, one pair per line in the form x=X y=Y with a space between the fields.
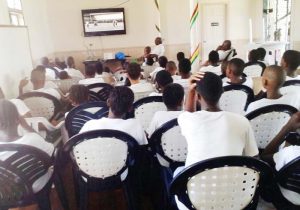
x=235 y=68
x=120 y=102
x=180 y=56
x=209 y=89
x=70 y=62
x=63 y=75
x=9 y=117
x=173 y=96
x=290 y=61
x=213 y=57
x=79 y=94
x=162 y=79
x=253 y=56
x=163 y=60
x=226 y=45
x=99 y=68
x=147 y=50
x=224 y=67
x=185 y=67
x=158 y=41
x=262 y=53
x=134 y=71
x=171 y=68
x=273 y=78
x=90 y=71
x=38 y=77
x=45 y=61
x=149 y=61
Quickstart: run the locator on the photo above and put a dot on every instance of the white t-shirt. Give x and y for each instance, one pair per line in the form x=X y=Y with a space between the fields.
x=155 y=94
x=176 y=77
x=90 y=81
x=130 y=126
x=156 y=70
x=50 y=74
x=160 y=118
x=74 y=73
x=214 y=69
x=248 y=82
x=141 y=87
x=158 y=50
x=49 y=91
x=292 y=99
x=282 y=158
x=223 y=54
x=216 y=134
x=48 y=84
x=292 y=78
x=184 y=83
x=21 y=106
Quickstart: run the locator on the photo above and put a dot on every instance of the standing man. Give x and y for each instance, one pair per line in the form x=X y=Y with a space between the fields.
x=159 y=49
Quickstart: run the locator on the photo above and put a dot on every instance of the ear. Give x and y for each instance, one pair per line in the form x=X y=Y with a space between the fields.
x=264 y=82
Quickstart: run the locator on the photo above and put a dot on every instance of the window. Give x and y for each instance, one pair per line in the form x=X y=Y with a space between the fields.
x=15 y=12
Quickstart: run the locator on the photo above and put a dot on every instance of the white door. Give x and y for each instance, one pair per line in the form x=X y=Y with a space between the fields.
x=213 y=27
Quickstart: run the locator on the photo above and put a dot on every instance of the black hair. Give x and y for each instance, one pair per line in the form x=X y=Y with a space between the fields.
x=163 y=60
x=185 y=66
x=70 y=62
x=90 y=70
x=213 y=57
x=163 y=78
x=210 y=88
x=99 y=68
x=63 y=75
x=262 y=53
x=9 y=115
x=292 y=59
x=79 y=94
x=173 y=95
x=253 y=56
x=237 y=66
x=121 y=100
x=134 y=71
x=180 y=56
x=149 y=61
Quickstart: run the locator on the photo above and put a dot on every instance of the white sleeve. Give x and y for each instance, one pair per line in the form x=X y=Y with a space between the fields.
x=21 y=106
x=251 y=148
x=183 y=122
x=222 y=54
x=86 y=127
x=152 y=126
x=140 y=134
x=35 y=140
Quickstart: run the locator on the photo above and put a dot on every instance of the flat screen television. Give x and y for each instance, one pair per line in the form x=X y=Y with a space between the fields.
x=103 y=22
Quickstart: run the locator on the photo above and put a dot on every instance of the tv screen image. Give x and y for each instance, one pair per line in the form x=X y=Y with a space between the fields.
x=100 y=22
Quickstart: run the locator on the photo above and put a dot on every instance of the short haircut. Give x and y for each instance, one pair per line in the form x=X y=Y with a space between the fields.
x=63 y=75
x=254 y=56
x=45 y=61
x=121 y=100
x=99 y=68
x=185 y=66
x=173 y=95
x=9 y=115
x=237 y=66
x=70 y=62
x=147 y=49
x=38 y=74
x=163 y=78
x=180 y=56
x=228 y=43
x=213 y=57
x=171 y=66
x=149 y=61
x=90 y=70
x=262 y=53
x=163 y=60
x=292 y=59
x=79 y=94
x=276 y=74
x=210 y=88
x=134 y=71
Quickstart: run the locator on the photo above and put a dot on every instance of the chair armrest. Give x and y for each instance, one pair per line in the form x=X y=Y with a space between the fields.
x=35 y=121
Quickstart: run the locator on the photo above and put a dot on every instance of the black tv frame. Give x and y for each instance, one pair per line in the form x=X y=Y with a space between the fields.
x=103 y=33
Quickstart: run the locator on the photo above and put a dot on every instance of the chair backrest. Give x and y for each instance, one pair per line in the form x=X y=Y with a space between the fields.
x=78 y=116
x=145 y=108
x=41 y=104
x=101 y=154
x=66 y=84
x=169 y=145
x=221 y=183
x=267 y=121
x=253 y=70
x=290 y=86
x=20 y=167
x=288 y=176
x=99 y=91
x=236 y=98
x=141 y=95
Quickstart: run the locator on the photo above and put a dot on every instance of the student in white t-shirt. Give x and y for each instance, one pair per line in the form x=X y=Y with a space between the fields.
x=285 y=155
x=51 y=72
x=290 y=62
x=172 y=69
x=184 y=68
x=162 y=61
x=224 y=50
x=163 y=78
x=272 y=80
x=78 y=95
x=120 y=103
x=262 y=55
x=173 y=95
x=72 y=72
x=212 y=64
x=234 y=74
x=90 y=76
x=134 y=74
x=159 y=49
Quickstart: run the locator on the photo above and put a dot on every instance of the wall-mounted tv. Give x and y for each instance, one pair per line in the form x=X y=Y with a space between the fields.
x=102 y=22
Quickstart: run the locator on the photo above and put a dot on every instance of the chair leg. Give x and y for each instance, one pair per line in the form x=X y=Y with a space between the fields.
x=61 y=191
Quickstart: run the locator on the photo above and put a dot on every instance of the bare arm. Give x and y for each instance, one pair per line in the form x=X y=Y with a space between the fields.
x=191 y=100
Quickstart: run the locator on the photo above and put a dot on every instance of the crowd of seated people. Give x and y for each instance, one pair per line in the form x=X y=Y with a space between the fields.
x=193 y=99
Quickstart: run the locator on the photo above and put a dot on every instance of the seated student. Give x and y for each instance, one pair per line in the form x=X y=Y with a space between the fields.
x=173 y=96
x=272 y=80
x=253 y=60
x=51 y=72
x=262 y=55
x=71 y=68
x=147 y=54
x=184 y=68
x=134 y=75
x=120 y=102
x=234 y=74
x=180 y=56
x=90 y=73
x=104 y=73
x=162 y=60
x=163 y=78
x=78 y=94
x=213 y=63
x=281 y=157
x=225 y=51
x=59 y=65
x=172 y=69
x=64 y=75
x=290 y=62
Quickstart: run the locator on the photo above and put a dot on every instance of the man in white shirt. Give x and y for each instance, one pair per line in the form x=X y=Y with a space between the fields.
x=173 y=95
x=162 y=61
x=272 y=80
x=163 y=78
x=184 y=68
x=159 y=49
x=224 y=50
x=51 y=72
x=120 y=103
x=213 y=64
x=290 y=62
x=90 y=73
x=72 y=72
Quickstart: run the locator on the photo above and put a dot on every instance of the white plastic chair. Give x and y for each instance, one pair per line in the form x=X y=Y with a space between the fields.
x=140 y=95
x=65 y=85
x=290 y=86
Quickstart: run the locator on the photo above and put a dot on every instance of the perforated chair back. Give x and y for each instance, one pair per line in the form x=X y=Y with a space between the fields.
x=221 y=183
x=253 y=71
x=236 y=98
x=41 y=104
x=145 y=108
x=78 y=116
x=267 y=121
x=141 y=95
x=99 y=91
x=290 y=87
x=66 y=84
x=169 y=145
x=20 y=167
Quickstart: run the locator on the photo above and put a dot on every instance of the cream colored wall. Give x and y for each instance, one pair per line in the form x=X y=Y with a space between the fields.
x=295 y=25
x=4 y=17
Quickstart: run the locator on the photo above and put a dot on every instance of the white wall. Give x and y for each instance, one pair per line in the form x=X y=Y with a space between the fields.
x=295 y=25
x=4 y=17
